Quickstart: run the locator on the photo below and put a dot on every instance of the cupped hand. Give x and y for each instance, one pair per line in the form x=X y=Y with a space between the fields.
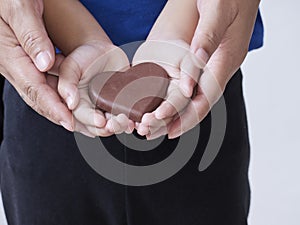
x=18 y=49
x=221 y=39
x=175 y=57
x=76 y=72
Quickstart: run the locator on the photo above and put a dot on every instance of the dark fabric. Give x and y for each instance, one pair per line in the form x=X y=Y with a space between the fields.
x=1 y=106
x=45 y=180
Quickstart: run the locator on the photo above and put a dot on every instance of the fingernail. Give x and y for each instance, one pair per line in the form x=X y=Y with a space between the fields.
x=67 y=126
x=202 y=55
x=42 y=61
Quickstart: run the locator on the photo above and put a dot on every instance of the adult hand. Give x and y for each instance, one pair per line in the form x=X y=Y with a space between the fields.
x=221 y=39
x=23 y=40
x=25 y=18
x=75 y=73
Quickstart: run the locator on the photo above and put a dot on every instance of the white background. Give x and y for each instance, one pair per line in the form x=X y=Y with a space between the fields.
x=271 y=83
x=272 y=95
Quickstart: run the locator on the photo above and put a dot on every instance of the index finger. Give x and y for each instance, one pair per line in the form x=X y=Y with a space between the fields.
x=33 y=87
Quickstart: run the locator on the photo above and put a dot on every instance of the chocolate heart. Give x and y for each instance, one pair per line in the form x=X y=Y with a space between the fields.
x=135 y=92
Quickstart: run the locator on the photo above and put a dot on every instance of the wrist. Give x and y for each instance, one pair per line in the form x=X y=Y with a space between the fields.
x=99 y=44
x=169 y=37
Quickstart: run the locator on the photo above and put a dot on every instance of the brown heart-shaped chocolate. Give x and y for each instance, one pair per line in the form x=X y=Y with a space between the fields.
x=135 y=92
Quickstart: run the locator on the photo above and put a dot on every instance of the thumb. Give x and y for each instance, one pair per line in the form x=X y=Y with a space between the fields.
x=69 y=77
x=214 y=20
x=30 y=31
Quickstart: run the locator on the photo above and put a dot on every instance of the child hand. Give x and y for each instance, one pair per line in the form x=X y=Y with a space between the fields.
x=184 y=71
x=75 y=72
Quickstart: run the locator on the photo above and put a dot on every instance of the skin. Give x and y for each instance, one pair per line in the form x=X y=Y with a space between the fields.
x=83 y=31
x=221 y=40
x=69 y=20
x=24 y=42
x=168 y=45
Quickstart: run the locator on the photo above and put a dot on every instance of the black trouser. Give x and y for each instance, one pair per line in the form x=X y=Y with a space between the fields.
x=1 y=106
x=46 y=181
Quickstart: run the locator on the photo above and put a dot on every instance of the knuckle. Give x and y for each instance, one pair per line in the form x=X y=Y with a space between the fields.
x=33 y=98
x=29 y=40
x=31 y=92
x=36 y=103
x=213 y=40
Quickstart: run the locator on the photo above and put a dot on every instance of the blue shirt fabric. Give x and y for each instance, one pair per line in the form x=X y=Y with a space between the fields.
x=127 y=21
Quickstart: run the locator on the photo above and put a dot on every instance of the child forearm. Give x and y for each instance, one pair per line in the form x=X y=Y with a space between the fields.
x=178 y=20
x=69 y=25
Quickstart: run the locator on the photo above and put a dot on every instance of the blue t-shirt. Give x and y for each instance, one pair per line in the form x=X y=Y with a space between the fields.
x=127 y=21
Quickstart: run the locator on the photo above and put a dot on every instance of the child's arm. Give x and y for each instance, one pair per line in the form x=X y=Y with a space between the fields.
x=88 y=51
x=177 y=21
x=168 y=44
x=70 y=25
